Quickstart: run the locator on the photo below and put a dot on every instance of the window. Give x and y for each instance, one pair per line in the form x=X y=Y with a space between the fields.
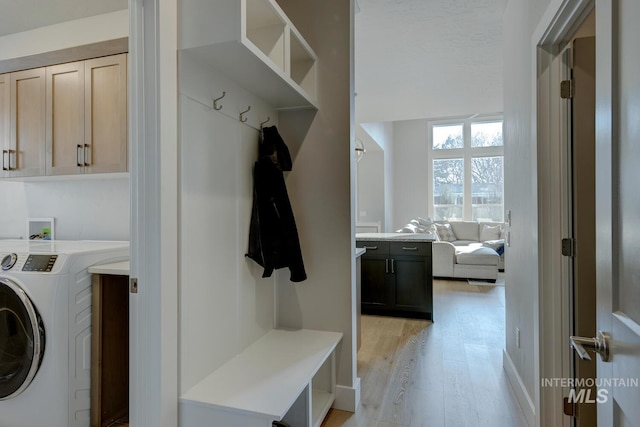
x=467 y=179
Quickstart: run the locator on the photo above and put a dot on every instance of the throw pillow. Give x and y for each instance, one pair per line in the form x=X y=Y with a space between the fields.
x=425 y=222
x=433 y=231
x=490 y=232
x=445 y=232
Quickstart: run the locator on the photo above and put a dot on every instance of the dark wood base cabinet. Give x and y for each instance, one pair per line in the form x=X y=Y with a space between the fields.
x=397 y=278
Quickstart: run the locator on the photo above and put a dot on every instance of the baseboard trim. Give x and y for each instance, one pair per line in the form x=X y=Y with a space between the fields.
x=348 y=398
x=522 y=396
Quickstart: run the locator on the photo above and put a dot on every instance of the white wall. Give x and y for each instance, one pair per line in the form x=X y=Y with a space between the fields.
x=225 y=305
x=371 y=187
x=410 y=171
x=520 y=20
x=382 y=135
x=83 y=208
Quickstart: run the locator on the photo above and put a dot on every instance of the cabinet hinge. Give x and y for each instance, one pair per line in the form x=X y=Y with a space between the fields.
x=569 y=408
x=133 y=285
x=569 y=247
x=567 y=89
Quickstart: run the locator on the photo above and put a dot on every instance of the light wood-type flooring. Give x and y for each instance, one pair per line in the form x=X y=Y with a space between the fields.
x=415 y=373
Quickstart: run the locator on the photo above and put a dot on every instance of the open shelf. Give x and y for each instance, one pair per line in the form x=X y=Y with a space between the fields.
x=254 y=43
x=323 y=391
x=303 y=64
x=266 y=29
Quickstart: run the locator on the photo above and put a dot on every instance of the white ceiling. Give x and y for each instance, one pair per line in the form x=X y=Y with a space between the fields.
x=413 y=58
x=23 y=15
x=427 y=58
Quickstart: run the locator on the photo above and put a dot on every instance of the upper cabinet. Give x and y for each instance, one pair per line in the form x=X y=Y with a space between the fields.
x=105 y=120
x=27 y=150
x=65 y=119
x=255 y=43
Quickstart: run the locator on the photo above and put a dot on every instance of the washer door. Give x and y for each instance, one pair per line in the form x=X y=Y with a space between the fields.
x=22 y=340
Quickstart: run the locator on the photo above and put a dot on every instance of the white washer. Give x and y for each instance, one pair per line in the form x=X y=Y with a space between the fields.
x=45 y=330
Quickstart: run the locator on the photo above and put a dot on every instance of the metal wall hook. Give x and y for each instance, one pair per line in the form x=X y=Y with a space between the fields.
x=215 y=101
x=265 y=122
x=242 y=119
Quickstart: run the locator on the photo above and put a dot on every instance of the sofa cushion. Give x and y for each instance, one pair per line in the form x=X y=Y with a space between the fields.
x=490 y=232
x=446 y=232
x=465 y=230
x=475 y=255
x=466 y=243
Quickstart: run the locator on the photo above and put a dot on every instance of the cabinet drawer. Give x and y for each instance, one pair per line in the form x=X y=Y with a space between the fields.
x=410 y=248
x=374 y=247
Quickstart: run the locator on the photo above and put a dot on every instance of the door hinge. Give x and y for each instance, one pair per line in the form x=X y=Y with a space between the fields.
x=569 y=247
x=567 y=89
x=569 y=408
x=133 y=285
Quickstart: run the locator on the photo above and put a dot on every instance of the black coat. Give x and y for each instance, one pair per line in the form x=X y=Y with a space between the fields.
x=273 y=236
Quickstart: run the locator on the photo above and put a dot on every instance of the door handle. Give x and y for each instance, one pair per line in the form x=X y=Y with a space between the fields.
x=386 y=265
x=393 y=266
x=15 y=159
x=409 y=249
x=5 y=153
x=87 y=150
x=599 y=344
x=370 y=248
x=79 y=157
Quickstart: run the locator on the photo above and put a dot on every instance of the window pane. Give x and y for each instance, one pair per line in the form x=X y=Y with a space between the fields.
x=447 y=137
x=486 y=134
x=487 y=188
x=448 y=188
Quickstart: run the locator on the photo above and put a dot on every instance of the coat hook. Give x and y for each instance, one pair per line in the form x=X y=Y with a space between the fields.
x=242 y=119
x=215 y=101
x=265 y=122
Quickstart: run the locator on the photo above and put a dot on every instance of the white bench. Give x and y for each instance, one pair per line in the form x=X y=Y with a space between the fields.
x=284 y=376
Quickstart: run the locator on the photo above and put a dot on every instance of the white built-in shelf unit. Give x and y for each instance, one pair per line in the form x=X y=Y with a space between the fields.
x=254 y=43
x=284 y=376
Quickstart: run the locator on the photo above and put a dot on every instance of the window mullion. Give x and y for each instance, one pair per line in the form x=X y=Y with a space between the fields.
x=467 y=207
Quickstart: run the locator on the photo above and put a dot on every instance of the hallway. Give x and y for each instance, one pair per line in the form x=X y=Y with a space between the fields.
x=446 y=374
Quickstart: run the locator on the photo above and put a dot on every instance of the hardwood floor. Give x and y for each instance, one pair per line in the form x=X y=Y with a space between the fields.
x=449 y=373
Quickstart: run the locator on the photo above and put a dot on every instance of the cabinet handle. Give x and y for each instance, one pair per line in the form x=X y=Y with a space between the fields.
x=409 y=249
x=87 y=150
x=79 y=157
x=372 y=248
x=386 y=265
x=15 y=159
x=393 y=266
x=4 y=153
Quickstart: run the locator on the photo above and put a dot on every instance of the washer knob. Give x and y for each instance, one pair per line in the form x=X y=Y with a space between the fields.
x=9 y=261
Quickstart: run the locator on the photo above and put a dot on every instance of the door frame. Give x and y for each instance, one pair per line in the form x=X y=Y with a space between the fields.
x=153 y=154
x=558 y=24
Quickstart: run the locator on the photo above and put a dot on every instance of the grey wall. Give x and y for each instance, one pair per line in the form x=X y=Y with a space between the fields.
x=319 y=185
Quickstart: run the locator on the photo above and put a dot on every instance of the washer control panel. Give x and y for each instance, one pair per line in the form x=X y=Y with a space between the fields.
x=40 y=263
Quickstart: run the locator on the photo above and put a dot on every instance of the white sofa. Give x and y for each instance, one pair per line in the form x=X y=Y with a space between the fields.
x=470 y=253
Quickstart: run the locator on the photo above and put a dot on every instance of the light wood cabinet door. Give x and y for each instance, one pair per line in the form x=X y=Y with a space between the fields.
x=65 y=119
x=27 y=157
x=5 y=129
x=106 y=114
